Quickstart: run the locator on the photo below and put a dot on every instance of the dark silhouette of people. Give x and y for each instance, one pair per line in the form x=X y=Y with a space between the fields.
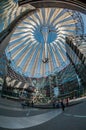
x=54 y=104
x=62 y=105
x=23 y=104
x=32 y=104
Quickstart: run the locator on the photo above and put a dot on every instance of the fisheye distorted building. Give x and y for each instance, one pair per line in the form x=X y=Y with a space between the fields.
x=42 y=47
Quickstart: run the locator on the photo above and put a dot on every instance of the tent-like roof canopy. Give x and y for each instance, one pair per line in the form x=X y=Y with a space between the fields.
x=37 y=46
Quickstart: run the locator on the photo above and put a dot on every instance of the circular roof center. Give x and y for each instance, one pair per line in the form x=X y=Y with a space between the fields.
x=45 y=33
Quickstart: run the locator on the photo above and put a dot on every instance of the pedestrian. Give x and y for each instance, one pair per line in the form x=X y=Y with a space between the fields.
x=54 y=104
x=23 y=104
x=62 y=105
x=32 y=104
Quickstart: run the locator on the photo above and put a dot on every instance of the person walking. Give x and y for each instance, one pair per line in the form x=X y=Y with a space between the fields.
x=62 y=105
x=54 y=104
x=32 y=103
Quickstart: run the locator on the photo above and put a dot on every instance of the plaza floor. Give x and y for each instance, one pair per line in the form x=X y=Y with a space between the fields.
x=16 y=118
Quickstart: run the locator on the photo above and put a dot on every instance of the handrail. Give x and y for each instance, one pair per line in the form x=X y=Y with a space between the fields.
x=76 y=2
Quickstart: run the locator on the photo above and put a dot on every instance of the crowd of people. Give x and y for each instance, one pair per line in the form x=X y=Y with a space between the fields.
x=61 y=103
